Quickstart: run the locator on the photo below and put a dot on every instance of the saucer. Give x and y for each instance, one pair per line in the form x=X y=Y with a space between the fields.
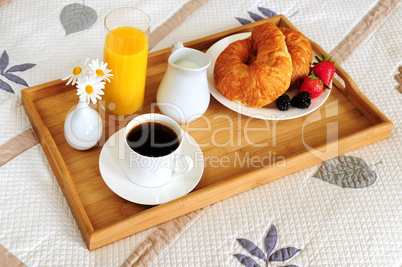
x=268 y=112
x=111 y=161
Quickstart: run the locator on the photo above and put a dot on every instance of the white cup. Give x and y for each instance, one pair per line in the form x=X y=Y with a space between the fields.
x=149 y=171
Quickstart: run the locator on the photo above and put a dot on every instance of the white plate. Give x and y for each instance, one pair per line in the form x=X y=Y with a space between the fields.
x=269 y=112
x=111 y=168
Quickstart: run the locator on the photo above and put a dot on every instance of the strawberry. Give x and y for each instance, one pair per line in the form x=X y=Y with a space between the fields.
x=313 y=85
x=324 y=69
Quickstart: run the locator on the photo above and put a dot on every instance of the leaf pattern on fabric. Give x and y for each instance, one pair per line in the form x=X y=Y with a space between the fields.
x=15 y=78
x=4 y=61
x=243 y=21
x=270 y=242
x=77 y=17
x=294 y=13
x=5 y=86
x=347 y=172
x=254 y=16
x=266 y=12
x=284 y=254
x=21 y=67
x=246 y=261
x=271 y=239
x=252 y=248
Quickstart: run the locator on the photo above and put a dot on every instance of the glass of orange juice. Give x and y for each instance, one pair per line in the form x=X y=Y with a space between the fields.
x=126 y=53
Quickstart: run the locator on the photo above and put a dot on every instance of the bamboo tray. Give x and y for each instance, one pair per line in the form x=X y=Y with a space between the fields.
x=345 y=122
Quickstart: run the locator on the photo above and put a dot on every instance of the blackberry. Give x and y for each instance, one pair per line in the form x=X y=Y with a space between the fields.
x=301 y=100
x=283 y=102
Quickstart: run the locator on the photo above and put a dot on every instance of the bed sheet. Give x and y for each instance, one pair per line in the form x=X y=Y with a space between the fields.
x=308 y=221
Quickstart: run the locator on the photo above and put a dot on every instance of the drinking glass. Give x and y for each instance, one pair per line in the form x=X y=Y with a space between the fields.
x=126 y=53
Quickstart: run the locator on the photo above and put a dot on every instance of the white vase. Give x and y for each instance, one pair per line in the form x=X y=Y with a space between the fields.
x=83 y=127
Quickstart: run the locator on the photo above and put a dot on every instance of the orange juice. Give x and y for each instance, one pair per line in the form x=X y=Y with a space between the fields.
x=126 y=53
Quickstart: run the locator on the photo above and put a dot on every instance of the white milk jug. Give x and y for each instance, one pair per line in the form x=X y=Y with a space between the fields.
x=183 y=93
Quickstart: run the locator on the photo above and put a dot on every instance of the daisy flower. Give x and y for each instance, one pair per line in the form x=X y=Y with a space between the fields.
x=90 y=89
x=99 y=69
x=77 y=71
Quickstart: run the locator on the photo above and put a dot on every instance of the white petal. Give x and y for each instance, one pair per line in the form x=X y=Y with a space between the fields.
x=69 y=76
x=72 y=80
x=93 y=99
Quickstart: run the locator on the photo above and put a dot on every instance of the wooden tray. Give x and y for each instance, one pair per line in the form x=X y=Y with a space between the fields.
x=346 y=121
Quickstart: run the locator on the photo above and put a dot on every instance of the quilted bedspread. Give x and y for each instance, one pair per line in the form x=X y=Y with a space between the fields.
x=310 y=218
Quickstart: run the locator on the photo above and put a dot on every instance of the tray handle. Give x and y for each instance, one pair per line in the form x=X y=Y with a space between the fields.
x=350 y=90
x=357 y=98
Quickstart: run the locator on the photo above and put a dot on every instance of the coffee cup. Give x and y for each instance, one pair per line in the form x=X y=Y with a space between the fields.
x=153 y=144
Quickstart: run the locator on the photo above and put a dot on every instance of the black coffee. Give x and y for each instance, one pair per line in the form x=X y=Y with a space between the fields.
x=153 y=139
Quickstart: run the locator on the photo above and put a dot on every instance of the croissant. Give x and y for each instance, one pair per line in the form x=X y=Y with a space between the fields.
x=257 y=70
x=300 y=51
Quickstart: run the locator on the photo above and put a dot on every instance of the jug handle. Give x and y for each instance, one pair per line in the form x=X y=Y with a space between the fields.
x=176 y=46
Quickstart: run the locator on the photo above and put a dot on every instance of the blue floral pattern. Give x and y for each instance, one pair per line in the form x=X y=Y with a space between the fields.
x=256 y=17
x=9 y=73
x=270 y=243
x=265 y=13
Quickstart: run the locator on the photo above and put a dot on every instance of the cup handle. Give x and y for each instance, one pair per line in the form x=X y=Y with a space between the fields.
x=176 y=46
x=183 y=164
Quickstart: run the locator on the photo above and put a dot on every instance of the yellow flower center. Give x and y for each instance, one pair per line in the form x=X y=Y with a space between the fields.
x=89 y=89
x=100 y=72
x=77 y=70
